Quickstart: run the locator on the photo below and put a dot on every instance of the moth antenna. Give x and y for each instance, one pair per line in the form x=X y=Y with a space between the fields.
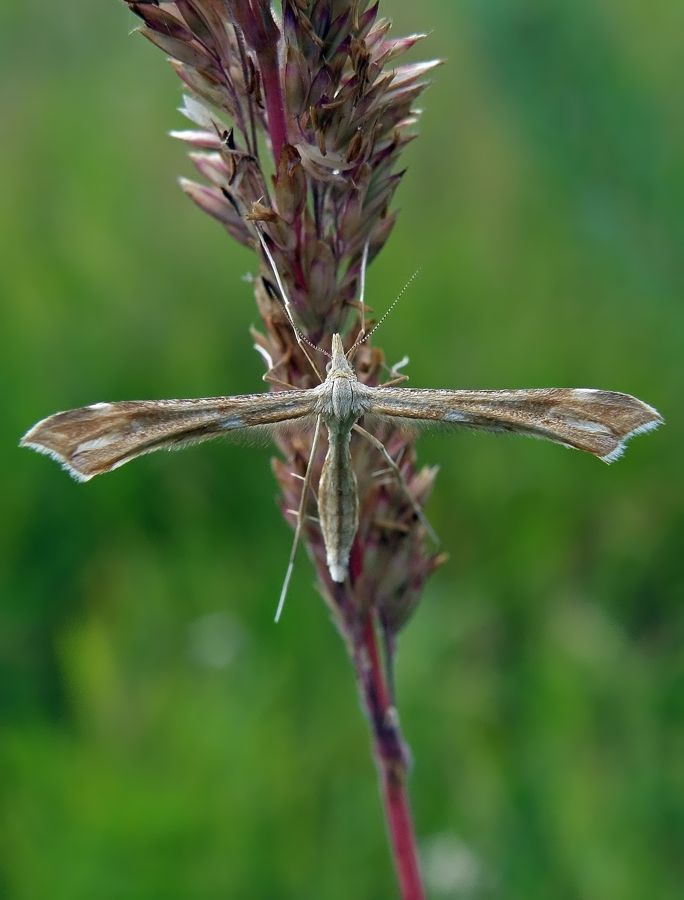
x=362 y=340
x=302 y=339
x=300 y=519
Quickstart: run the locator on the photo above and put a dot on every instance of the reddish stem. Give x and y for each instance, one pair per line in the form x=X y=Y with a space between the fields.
x=273 y=98
x=391 y=758
x=255 y=19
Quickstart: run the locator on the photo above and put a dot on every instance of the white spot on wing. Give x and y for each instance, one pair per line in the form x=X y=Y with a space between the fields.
x=100 y=406
x=585 y=393
x=95 y=444
x=232 y=422
x=455 y=416
x=585 y=425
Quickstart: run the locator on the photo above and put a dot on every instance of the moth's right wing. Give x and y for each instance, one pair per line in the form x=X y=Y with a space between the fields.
x=98 y=438
x=599 y=422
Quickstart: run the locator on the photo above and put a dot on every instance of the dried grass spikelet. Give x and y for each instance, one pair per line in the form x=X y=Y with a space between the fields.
x=323 y=86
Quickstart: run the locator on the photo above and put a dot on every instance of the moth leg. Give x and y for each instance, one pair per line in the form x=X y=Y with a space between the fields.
x=313 y=494
x=362 y=290
x=420 y=515
x=398 y=379
x=269 y=376
x=300 y=519
x=361 y=304
x=387 y=525
x=295 y=513
x=271 y=379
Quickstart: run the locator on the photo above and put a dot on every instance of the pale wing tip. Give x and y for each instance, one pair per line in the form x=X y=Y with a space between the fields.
x=53 y=454
x=617 y=452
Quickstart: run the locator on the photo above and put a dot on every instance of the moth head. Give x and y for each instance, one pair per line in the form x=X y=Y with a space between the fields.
x=339 y=364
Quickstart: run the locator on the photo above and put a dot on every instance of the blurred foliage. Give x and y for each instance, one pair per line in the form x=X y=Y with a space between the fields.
x=160 y=738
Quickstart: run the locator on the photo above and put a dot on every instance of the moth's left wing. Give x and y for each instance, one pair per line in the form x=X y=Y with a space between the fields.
x=599 y=422
x=98 y=438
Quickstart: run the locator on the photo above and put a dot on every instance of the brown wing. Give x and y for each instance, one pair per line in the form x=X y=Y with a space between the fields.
x=599 y=422
x=104 y=436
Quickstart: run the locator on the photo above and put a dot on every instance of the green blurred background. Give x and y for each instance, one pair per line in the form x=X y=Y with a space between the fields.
x=160 y=738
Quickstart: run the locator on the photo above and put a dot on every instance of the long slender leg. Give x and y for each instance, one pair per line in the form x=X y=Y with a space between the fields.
x=300 y=519
x=360 y=337
x=393 y=382
x=271 y=379
x=295 y=514
x=362 y=291
x=395 y=375
x=400 y=478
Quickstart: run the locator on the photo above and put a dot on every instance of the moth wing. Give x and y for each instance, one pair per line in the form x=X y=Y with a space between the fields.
x=599 y=422
x=98 y=438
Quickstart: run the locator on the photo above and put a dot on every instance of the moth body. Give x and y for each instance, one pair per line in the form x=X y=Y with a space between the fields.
x=338 y=504
x=344 y=399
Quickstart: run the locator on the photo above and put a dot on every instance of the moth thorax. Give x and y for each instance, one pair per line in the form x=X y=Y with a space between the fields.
x=342 y=401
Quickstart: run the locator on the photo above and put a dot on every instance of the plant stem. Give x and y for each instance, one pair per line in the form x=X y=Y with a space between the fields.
x=391 y=757
x=273 y=98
